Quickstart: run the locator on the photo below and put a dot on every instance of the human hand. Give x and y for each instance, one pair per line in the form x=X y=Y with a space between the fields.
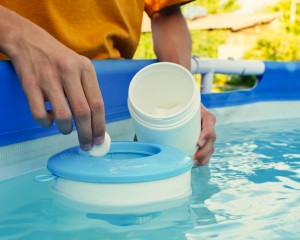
x=206 y=139
x=49 y=71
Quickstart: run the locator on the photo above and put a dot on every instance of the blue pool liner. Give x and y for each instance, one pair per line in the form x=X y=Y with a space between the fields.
x=280 y=82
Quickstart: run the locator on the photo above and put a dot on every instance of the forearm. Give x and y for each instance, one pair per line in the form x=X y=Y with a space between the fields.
x=11 y=24
x=171 y=36
x=18 y=35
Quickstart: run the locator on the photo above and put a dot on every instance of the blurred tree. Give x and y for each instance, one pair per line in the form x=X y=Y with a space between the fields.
x=282 y=43
x=205 y=43
x=276 y=46
x=290 y=12
x=145 y=47
x=218 y=6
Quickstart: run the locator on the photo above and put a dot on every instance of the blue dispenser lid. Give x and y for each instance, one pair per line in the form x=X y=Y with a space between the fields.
x=125 y=162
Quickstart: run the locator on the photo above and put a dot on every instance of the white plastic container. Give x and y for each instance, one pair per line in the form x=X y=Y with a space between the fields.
x=164 y=103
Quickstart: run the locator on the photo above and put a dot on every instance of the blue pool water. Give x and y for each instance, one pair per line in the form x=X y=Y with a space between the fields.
x=250 y=190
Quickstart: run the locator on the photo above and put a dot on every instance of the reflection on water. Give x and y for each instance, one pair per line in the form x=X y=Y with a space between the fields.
x=203 y=188
x=250 y=190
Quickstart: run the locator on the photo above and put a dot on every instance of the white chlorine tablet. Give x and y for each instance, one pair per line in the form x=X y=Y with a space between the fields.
x=99 y=150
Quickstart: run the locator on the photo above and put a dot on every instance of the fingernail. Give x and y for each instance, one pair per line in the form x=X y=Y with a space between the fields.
x=195 y=163
x=202 y=143
x=98 y=140
x=86 y=147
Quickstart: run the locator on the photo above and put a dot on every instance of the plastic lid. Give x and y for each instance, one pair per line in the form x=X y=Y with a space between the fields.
x=125 y=162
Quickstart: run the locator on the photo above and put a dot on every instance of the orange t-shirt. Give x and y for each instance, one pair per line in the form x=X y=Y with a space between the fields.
x=96 y=29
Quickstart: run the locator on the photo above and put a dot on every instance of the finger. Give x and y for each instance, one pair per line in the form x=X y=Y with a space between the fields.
x=203 y=138
x=37 y=106
x=95 y=101
x=80 y=110
x=206 y=126
x=201 y=141
x=60 y=108
x=208 y=119
x=202 y=159
x=206 y=147
x=202 y=156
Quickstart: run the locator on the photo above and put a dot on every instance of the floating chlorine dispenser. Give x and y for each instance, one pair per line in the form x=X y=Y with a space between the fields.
x=131 y=174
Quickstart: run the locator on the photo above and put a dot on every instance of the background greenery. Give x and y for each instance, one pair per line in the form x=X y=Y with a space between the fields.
x=280 y=44
x=204 y=43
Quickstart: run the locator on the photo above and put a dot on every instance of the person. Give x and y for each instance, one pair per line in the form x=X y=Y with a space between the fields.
x=50 y=44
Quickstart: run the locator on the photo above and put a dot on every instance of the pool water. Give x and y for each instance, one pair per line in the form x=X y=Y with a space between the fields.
x=250 y=190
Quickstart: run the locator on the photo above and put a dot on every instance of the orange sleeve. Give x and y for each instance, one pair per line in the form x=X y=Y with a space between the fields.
x=152 y=6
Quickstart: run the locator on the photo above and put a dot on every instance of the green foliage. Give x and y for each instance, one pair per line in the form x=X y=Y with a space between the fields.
x=217 y=6
x=145 y=47
x=276 y=46
x=204 y=44
x=284 y=7
x=223 y=83
x=281 y=44
x=230 y=5
x=240 y=82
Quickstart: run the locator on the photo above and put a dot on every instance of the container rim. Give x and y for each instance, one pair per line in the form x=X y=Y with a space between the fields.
x=170 y=116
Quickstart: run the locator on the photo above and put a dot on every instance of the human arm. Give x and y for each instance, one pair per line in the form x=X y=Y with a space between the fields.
x=172 y=43
x=49 y=71
x=171 y=36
